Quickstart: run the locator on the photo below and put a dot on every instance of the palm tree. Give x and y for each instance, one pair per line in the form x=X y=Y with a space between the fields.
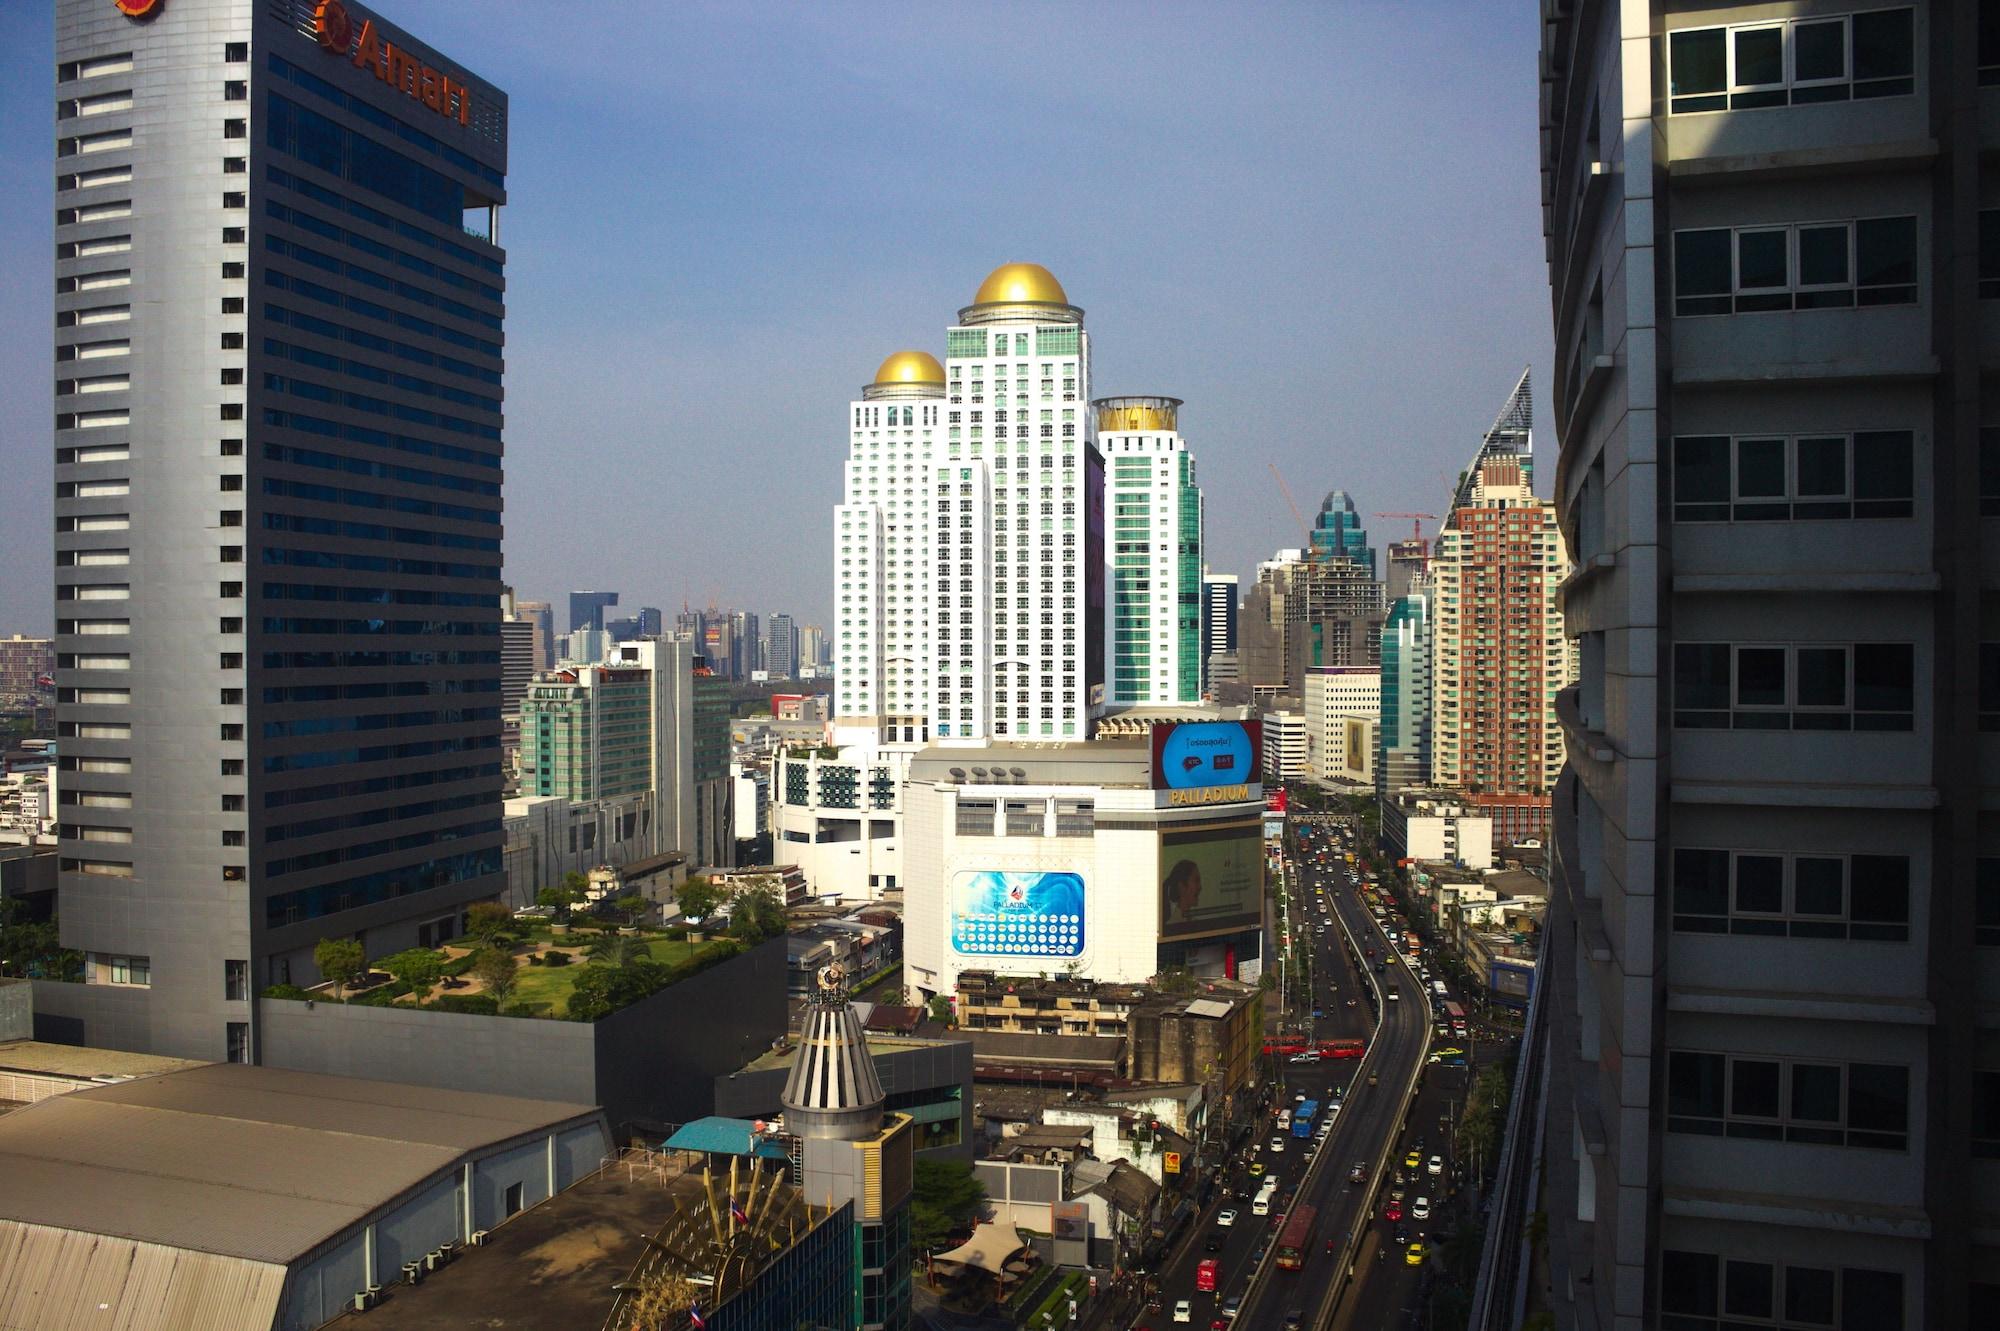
x=619 y=950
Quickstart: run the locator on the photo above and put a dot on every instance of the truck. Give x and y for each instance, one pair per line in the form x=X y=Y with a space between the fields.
x=1205 y=1275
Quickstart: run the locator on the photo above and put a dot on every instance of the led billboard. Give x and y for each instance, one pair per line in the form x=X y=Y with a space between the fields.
x=1002 y=914
x=1211 y=880
x=1197 y=754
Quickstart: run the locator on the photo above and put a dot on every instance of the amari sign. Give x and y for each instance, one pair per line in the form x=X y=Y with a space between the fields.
x=442 y=93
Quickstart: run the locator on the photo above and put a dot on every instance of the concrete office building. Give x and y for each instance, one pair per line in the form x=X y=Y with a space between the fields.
x=586 y=609
x=1407 y=562
x=1287 y=747
x=689 y=742
x=1774 y=939
x=272 y=321
x=24 y=663
x=539 y=614
x=1154 y=624
x=1498 y=652
x=1403 y=734
x=1218 y=626
x=781 y=647
x=1336 y=698
x=586 y=733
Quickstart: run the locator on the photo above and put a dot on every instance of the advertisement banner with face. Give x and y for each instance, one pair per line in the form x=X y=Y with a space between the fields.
x=1211 y=880
x=1002 y=914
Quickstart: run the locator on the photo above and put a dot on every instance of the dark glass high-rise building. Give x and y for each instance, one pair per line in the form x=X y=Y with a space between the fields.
x=278 y=521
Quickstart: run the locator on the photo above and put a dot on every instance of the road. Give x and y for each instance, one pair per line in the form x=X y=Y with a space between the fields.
x=1364 y=1130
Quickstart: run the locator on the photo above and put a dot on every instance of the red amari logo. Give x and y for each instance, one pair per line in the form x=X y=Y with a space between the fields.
x=391 y=63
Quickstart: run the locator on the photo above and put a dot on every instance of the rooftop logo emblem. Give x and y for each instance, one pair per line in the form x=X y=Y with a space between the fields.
x=335 y=29
x=139 y=8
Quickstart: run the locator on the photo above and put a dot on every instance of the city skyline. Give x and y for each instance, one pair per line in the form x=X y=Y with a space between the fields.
x=1184 y=291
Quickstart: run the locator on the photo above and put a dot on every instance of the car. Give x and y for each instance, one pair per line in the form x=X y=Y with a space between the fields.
x=1226 y=1217
x=1350 y=1002
x=1393 y=1211
x=1277 y=1146
x=1358 y=1174
x=1257 y=1255
x=1217 y=1324
x=1413 y=1159
x=1231 y=1306
x=1299 y=1098
x=1414 y=1254
x=1184 y=1311
x=1420 y=1209
x=1400 y=1235
x=1256 y=1169
x=1295 y=1319
x=1435 y=1167
x=1214 y=1243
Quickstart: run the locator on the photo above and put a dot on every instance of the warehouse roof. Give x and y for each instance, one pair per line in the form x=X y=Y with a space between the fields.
x=256 y=1163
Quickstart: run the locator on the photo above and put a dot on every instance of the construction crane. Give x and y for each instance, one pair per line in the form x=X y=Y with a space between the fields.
x=1416 y=527
x=1286 y=491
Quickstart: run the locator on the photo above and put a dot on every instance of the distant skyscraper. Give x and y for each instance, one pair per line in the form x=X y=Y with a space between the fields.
x=586 y=609
x=813 y=646
x=1154 y=617
x=279 y=503
x=781 y=646
x=1499 y=655
x=1218 y=623
x=24 y=664
x=1403 y=739
x=1407 y=560
x=749 y=640
x=584 y=733
x=542 y=617
x=1337 y=531
x=517 y=658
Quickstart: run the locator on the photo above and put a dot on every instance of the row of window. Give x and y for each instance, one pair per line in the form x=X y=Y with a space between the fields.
x=1810 y=1101
x=1704 y=1291
x=319 y=226
x=1777 y=895
x=358 y=305
x=1795 y=62
x=1795 y=266
x=326 y=328
x=1794 y=686
x=1786 y=478
x=379 y=281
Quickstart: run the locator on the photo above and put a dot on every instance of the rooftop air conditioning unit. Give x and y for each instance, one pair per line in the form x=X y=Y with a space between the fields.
x=364 y=1299
x=413 y=1272
x=478 y=1238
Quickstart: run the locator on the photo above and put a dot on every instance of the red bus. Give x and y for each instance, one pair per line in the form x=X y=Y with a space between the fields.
x=1454 y=1017
x=1296 y=1240
x=1342 y=1048
x=1286 y=1044
x=1204 y=1276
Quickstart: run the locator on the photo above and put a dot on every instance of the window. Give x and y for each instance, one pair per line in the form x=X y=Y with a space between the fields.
x=1986 y=1114
x=1800 y=686
x=1799 y=266
x=1986 y=903
x=1772 y=894
x=1807 y=1101
x=1704 y=1292
x=131 y=970
x=236 y=981
x=238 y=1038
x=1868 y=474
x=1794 y=63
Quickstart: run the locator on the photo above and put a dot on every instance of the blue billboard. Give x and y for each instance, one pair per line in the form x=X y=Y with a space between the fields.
x=1205 y=753
x=1002 y=914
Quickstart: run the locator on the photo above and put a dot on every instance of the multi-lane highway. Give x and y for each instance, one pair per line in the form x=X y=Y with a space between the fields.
x=1347 y=946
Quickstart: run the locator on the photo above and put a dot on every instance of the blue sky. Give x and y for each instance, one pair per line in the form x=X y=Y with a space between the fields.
x=1318 y=224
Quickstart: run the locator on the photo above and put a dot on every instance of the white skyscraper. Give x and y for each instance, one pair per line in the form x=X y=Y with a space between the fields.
x=882 y=556
x=1154 y=619
x=1018 y=490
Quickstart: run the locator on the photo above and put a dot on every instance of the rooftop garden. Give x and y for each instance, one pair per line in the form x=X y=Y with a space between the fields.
x=573 y=965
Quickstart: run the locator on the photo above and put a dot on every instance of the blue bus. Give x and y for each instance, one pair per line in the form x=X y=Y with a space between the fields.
x=1302 y=1118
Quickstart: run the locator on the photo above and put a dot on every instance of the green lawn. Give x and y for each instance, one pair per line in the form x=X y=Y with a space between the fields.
x=546 y=989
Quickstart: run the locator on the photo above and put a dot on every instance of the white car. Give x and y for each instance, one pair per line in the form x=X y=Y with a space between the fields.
x=1226 y=1217
x=1436 y=1166
x=1184 y=1311
x=1420 y=1209
x=1277 y=1146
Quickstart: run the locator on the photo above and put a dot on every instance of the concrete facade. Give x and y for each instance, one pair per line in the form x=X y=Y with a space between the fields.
x=1773 y=1048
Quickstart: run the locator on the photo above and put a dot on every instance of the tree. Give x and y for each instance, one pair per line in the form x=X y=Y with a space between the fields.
x=495 y=972
x=619 y=950
x=487 y=920
x=632 y=905
x=342 y=961
x=757 y=914
x=698 y=897
x=35 y=949
x=945 y=1195
x=559 y=899
x=941 y=1009
x=417 y=967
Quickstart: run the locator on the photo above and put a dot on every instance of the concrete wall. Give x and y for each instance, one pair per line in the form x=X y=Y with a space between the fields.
x=17 y=1010
x=655 y=1060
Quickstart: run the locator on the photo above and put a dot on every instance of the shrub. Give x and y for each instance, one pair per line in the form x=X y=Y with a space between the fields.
x=382 y=995
x=553 y=958
x=287 y=991
x=480 y=1004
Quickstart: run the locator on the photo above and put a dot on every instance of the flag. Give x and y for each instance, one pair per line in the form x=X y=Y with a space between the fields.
x=737 y=1213
x=695 y=1318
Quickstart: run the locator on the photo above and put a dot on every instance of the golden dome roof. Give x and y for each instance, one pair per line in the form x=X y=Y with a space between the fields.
x=1021 y=284
x=910 y=367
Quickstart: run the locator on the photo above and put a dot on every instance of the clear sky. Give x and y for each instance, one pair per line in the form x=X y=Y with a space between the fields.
x=1316 y=223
